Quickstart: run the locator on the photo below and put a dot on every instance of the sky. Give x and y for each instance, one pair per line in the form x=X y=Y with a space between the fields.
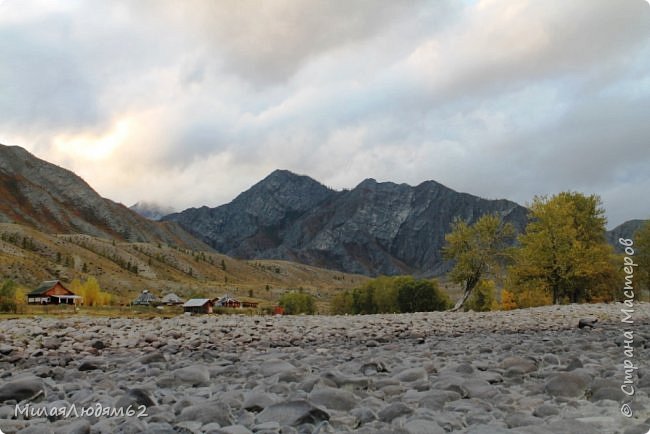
x=188 y=103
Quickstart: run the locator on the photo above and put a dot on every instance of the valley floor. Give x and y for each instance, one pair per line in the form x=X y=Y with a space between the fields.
x=522 y=371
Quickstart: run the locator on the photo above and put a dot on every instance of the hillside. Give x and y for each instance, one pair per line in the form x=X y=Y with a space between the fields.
x=375 y=228
x=46 y=197
x=29 y=256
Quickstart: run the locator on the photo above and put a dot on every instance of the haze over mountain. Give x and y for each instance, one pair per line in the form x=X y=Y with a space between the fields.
x=151 y=210
x=51 y=199
x=375 y=228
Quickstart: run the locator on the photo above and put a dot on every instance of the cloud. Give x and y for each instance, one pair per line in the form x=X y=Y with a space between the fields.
x=148 y=99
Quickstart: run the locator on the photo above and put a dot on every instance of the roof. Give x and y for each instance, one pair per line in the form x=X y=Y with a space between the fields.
x=145 y=298
x=196 y=302
x=225 y=299
x=45 y=286
x=171 y=298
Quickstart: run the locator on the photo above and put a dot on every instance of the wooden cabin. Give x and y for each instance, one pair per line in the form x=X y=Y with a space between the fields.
x=52 y=292
x=198 y=305
x=228 y=301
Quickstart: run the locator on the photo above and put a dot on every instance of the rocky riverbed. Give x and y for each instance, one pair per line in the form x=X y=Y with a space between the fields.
x=524 y=371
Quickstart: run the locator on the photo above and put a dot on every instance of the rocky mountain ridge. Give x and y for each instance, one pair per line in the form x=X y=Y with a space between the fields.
x=375 y=228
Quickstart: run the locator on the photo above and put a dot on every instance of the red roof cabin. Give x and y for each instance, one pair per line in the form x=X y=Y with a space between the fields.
x=52 y=292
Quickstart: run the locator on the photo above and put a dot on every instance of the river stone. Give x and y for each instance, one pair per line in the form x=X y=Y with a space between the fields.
x=518 y=419
x=394 y=410
x=566 y=384
x=436 y=399
x=525 y=365
x=423 y=426
x=75 y=426
x=196 y=375
x=574 y=364
x=207 y=412
x=257 y=401
x=571 y=426
x=480 y=389
x=411 y=375
x=638 y=429
x=21 y=389
x=545 y=410
x=135 y=398
x=373 y=367
x=465 y=368
x=154 y=357
x=333 y=399
x=488 y=429
x=91 y=364
x=232 y=429
x=292 y=413
x=276 y=366
x=363 y=415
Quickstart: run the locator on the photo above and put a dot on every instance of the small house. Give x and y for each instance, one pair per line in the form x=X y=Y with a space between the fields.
x=198 y=305
x=52 y=292
x=171 y=299
x=146 y=298
x=227 y=301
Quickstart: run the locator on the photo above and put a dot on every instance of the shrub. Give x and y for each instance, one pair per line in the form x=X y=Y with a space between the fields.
x=295 y=303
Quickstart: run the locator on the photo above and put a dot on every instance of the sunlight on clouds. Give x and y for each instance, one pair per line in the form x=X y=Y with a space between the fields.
x=92 y=147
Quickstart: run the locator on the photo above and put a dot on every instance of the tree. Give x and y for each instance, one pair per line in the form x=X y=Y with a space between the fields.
x=479 y=251
x=295 y=303
x=483 y=299
x=642 y=255
x=91 y=292
x=563 y=251
x=8 y=296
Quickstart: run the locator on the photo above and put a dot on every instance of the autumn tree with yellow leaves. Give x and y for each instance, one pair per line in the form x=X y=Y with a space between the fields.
x=563 y=254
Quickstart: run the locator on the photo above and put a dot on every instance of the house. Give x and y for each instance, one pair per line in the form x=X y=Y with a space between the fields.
x=52 y=292
x=171 y=299
x=227 y=301
x=198 y=305
x=146 y=299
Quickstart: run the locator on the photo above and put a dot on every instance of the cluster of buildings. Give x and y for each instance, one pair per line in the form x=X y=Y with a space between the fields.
x=194 y=305
x=54 y=292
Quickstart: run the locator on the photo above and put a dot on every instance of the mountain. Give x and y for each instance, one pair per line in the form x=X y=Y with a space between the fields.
x=151 y=210
x=625 y=230
x=51 y=199
x=375 y=228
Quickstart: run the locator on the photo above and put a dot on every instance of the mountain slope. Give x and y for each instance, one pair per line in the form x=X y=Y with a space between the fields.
x=51 y=199
x=376 y=228
x=29 y=256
